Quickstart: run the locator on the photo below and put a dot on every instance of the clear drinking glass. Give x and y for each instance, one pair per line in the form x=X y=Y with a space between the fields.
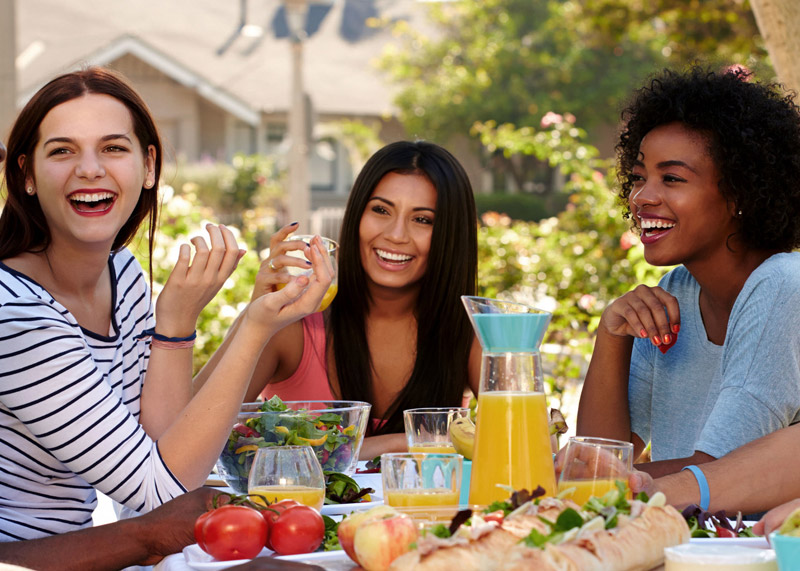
x=593 y=466
x=333 y=252
x=420 y=480
x=428 y=429
x=287 y=472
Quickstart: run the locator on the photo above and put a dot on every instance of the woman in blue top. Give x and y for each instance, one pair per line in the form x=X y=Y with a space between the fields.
x=710 y=359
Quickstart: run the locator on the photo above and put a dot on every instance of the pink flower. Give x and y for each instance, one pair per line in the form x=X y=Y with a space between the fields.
x=628 y=240
x=551 y=119
x=587 y=301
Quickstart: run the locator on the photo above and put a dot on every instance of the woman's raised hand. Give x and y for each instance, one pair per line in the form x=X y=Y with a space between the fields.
x=643 y=312
x=193 y=283
x=272 y=270
x=302 y=294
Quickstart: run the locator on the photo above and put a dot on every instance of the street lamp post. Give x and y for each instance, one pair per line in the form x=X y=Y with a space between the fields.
x=299 y=204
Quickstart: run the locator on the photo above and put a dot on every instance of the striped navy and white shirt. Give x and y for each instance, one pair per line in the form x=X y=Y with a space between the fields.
x=69 y=408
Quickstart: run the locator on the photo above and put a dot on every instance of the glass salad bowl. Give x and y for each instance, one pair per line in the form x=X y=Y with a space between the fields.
x=334 y=429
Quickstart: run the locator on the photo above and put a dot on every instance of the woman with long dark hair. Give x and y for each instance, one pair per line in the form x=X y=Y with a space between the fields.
x=95 y=382
x=396 y=334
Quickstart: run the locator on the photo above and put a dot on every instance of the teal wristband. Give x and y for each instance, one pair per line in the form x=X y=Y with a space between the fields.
x=705 y=494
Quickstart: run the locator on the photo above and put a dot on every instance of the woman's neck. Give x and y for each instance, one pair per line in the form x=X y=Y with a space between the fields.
x=392 y=303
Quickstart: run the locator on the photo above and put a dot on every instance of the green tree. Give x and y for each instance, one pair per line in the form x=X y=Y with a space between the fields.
x=511 y=61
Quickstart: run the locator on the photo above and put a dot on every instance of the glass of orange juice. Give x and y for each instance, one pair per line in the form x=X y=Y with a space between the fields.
x=332 y=248
x=428 y=429
x=287 y=472
x=417 y=483
x=592 y=466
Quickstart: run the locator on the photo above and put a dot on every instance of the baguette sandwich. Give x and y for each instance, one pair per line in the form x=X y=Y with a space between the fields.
x=609 y=533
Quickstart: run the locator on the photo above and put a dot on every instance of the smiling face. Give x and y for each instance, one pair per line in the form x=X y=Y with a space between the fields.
x=676 y=199
x=395 y=230
x=88 y=170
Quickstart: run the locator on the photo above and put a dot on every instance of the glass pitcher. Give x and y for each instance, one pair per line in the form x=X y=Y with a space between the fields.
x=512 y=438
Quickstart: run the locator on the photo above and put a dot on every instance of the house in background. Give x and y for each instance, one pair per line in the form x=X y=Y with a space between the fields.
x=217 y=75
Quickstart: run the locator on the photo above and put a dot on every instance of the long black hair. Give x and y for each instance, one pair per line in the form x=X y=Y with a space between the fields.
x=444 y=334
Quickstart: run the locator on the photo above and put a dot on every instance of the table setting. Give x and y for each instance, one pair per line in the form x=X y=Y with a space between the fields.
x=497 y=504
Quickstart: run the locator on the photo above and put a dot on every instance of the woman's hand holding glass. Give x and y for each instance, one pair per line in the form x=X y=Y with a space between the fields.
x=589 y=467
x=302 y=294
x=288 y=257
x=193 y=283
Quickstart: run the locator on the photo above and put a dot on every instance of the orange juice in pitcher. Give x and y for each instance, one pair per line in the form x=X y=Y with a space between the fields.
x=512 y=439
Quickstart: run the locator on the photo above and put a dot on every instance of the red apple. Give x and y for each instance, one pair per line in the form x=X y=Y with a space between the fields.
x=347 y=527
x=379 y=542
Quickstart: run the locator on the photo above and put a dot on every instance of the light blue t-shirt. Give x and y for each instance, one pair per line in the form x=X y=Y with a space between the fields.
x=711 y=398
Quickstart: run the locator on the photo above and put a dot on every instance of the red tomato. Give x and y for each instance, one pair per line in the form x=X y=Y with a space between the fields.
x=724 y=532
x=233 y=532
x=496 y=516
x=299 y=529
x=271 y=514
x=198 y=529
x=245 y=430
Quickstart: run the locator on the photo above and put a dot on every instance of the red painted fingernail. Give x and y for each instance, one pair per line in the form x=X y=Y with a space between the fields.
x=656 y=340
x=676 y=327
x=667 y=339
x=643 y=333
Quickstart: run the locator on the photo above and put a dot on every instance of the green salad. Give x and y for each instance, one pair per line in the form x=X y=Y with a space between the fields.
x=324 y=431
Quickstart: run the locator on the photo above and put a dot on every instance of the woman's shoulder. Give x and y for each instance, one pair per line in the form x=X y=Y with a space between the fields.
x=779 y=272
x=678 y=279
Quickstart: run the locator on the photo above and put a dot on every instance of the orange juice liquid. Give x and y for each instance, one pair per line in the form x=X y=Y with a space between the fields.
x=333 y=289
x=585 y=489
x=512 y=446
x=433 y=448
x=306 y=495
x=422 y=497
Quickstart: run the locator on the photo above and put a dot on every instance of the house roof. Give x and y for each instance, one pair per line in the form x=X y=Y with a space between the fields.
x=193 y=42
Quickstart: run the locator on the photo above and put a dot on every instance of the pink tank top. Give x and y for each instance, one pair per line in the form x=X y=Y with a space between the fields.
x=310 y=380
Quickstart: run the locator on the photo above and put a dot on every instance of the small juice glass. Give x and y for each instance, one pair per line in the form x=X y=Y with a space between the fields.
x=287 y=472
x=428 y=429
x=593 y=466
x=418 y=483
x=333 y=252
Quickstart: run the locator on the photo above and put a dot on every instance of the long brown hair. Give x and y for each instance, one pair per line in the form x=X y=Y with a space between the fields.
x=23 y=226
x=444 y=335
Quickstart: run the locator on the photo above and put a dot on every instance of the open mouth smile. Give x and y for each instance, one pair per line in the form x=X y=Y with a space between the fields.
x=92 y=202
x=393 y=258
x=654 y=228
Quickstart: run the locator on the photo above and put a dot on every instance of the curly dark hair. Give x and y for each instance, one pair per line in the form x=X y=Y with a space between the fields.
x=754 y=140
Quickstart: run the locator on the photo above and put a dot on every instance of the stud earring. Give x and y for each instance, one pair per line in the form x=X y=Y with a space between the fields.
x=29 y=190
x=740 y=213
x=147 y=184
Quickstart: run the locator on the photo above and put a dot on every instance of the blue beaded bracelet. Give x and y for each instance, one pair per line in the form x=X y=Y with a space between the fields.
x=152 y=333
x=705 y=494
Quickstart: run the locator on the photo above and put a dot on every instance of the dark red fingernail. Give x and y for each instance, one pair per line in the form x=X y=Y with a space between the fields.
x=676 y=327
x=643 y=333
x=656 y=340
x=667 y=339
